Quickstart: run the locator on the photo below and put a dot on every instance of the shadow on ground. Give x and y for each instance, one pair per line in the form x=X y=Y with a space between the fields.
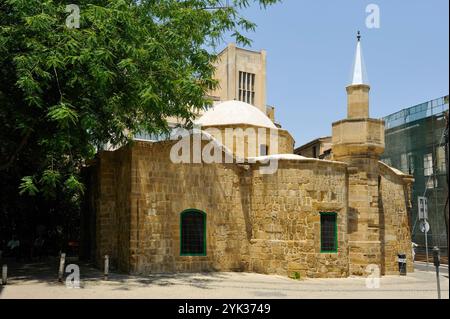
x=47 y=272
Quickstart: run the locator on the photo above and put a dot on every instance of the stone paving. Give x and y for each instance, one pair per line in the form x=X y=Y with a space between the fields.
x=44 y=284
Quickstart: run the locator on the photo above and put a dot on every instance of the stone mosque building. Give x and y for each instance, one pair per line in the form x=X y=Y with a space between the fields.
x=308 y=217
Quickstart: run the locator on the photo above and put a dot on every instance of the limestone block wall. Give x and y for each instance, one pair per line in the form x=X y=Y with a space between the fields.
x=358 y=101
x=286 y=210
x=363 y=214
x=395 y=219
x=286 y=142
x=358 y=137
x=260 y=223
x=112 y=206
x=162 y=190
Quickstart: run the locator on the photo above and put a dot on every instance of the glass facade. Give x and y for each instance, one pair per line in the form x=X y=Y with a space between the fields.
x=415 y=144
x=164 y=136
x=152 y=137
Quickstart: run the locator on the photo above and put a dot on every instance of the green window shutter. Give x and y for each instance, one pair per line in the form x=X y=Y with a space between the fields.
x=328 y=233
x=193 y=233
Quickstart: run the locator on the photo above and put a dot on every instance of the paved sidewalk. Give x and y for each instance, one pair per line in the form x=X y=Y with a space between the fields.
x=419 y=265
x=418 y=285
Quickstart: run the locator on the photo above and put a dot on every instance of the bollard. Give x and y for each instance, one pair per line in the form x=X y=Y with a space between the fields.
x=106 y=272
x=437 y=263
x=402 y=264
x=4 y=275
x=62 y=261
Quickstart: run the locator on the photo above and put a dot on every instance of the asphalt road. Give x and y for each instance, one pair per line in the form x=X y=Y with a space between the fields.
x=443 y=269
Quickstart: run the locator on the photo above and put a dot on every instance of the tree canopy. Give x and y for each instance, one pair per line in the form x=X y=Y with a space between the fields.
x=131 y=64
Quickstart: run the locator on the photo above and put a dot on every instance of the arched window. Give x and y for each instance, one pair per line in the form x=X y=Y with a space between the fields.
x=193 y=233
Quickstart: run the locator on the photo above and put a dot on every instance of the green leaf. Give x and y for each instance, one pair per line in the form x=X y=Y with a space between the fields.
x=63 y=114
x=74 y=185
x=50 y=178
x=27 y=186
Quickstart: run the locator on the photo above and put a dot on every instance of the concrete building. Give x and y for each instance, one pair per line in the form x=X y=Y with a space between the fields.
x=168 y=207
x=318 y=148
x=415 y=144
x=242 y=77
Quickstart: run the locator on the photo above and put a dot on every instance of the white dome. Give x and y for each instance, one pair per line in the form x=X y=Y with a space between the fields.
x=235 y=112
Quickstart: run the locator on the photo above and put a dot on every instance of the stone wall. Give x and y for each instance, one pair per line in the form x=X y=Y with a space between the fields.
x=358 y=101
x=162 y=190
x=286 y=210
x=112 y=204
x=261 y=223
x=363 y=214
x=359 y=142
x=395 y=218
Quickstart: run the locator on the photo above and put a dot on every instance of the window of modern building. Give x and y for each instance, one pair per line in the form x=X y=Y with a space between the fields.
x=428 y=164
x=442 y=167
x=428 y=171
x=328 y=233
x=411 y=164
x=193 y=233
x=407 y=163
x=247 y=87
x=431 y=182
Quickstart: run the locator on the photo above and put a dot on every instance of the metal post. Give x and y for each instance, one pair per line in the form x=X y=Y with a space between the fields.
x=62 y=261
x=437 y=263
x=4 y=275
x=446 y=216
x=426 y=245
x=438 y=282
x=106 y=270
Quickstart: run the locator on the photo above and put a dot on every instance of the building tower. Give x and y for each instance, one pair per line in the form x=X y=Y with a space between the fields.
x=359 y=141
x=242 y=77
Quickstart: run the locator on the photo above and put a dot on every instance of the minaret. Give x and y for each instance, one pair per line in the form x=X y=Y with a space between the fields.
x=359 y=141
x=358 y=91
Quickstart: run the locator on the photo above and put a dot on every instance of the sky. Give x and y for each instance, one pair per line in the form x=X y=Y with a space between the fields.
x=311 y=46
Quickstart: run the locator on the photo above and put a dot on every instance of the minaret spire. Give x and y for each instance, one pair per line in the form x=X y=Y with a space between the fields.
x=359 y=74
